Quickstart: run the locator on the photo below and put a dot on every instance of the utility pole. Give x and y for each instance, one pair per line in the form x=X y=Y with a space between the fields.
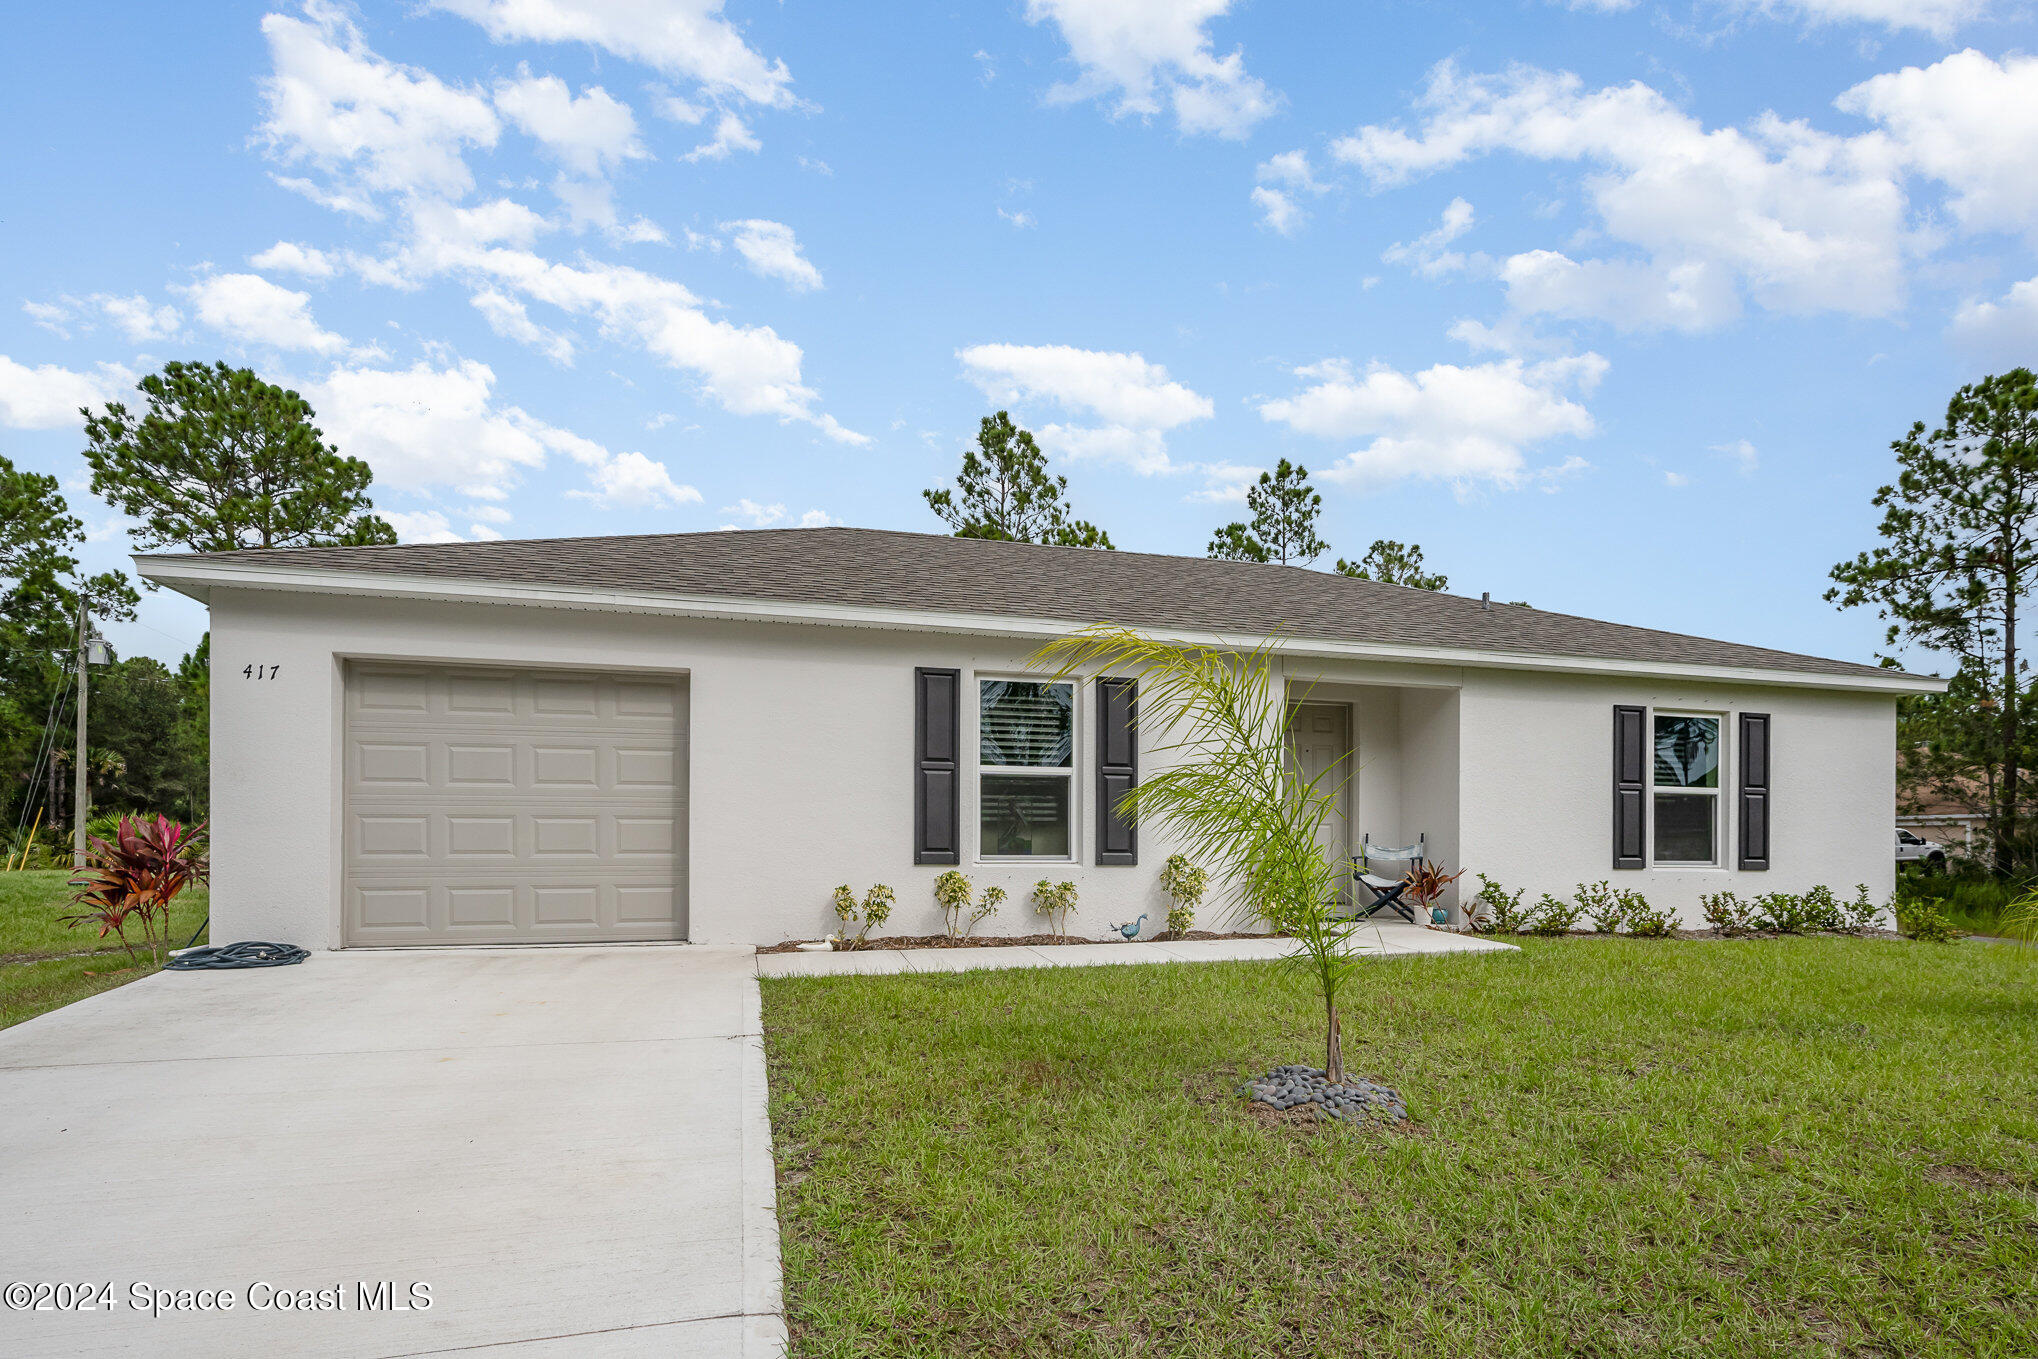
x=82 y=797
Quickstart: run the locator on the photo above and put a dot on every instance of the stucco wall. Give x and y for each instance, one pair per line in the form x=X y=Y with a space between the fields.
x=801 y=765
x=1536 y=801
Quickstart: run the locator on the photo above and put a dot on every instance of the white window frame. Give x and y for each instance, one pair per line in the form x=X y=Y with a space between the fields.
x=1717 y=794
x=1077 y=726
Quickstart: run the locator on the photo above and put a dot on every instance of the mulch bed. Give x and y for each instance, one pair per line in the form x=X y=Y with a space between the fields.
x=1007 y=940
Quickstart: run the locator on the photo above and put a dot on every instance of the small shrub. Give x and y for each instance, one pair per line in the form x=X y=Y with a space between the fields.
x=1054 y=900
x=134 y=878
x=987 y=906
x=1822 y=910
x=875 y=909
x=845 y=906
x=1185 y=884
x=1552 y=916
x=952 y=891
x=1727 y=913
x=1426 y=881
x=1604 y=907
x=1643 y=920
x=1783 y=912
x=1924 y=922
x=1859 y=914
x=1496 y=908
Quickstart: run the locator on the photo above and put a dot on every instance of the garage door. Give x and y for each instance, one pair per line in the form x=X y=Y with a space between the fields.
x=507 y=806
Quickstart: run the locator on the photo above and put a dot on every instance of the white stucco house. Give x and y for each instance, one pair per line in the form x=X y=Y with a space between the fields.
x=697 y=736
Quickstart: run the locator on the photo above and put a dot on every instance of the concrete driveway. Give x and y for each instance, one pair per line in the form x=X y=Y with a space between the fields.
x=567 y=1147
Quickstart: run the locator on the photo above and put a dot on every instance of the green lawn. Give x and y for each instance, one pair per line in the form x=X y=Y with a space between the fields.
x=29 y=929
x=1798 y=1147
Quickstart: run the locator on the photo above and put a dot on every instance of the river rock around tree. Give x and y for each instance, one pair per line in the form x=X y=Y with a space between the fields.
x=1291 y=1087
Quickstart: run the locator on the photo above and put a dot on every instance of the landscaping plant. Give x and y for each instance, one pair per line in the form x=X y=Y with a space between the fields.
x=1643 y=920
x=1552 y=916
x=1426 y=881
x=952 y=892
x=1924 y=922
x=1185 y=884
x=133 y=878
x=1599 y=903
x=1055 y=900
x=987 y=906
x=1784 y=912
x=1822 y=909
x=1228 y=791
x=875 y=909
x=1496 y=908
x=1727 y=913
x=1860 y=914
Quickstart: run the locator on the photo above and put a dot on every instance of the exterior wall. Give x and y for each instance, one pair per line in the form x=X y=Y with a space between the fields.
x=801 y=765
x=1535 y=779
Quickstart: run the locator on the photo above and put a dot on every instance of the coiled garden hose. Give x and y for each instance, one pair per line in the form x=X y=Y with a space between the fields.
x=247 y=953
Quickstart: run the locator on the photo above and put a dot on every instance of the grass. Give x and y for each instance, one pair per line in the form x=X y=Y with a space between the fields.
x=1974 y=904
x=1623 y=1147
x=37 y=976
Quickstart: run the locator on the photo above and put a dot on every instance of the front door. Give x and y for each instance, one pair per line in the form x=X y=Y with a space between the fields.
x=1320 y=743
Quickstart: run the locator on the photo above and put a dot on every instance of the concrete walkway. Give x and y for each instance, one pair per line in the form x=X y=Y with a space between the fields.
x=1387 y=941
x=568 y=1146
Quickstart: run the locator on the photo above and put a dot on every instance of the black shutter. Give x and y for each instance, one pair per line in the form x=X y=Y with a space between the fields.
x=937 y=766
x=1117 y=769
x=1753 y=814
x=1630 y=787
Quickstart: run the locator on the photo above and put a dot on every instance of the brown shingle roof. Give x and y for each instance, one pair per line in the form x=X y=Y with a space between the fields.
x=967 y=575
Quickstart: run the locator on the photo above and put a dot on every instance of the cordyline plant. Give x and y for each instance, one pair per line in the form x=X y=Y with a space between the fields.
x=1426 y=881
x=133 y=879
x=1230 y=795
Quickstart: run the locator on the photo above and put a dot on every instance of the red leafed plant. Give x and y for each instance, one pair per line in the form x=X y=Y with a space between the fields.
x=133 y=878
x=1426 y=881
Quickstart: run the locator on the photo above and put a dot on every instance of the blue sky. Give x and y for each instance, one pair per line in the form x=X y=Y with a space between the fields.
x=1614 y=307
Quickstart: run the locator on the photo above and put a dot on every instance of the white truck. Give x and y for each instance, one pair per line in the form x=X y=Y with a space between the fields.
x=1915 y=849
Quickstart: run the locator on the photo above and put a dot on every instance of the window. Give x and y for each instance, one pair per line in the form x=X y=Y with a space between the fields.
x=1686 y=778
x=1026 y=744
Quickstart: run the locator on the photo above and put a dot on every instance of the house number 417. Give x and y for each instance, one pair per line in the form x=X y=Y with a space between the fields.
x=259 y=671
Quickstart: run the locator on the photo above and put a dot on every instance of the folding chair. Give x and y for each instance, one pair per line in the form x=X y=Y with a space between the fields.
x=1387 y=891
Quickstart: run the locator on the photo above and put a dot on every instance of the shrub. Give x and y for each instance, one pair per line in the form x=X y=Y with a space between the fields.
x=1859 y=914
x=1727 y=913
x=1185 y=884
x=952 y=892
x=1783 y=912
x=1054 y=900
x=1599 y=903
x=1426 y=881
x=134 y=877
x=1822 y=909
x=1643 y=920
x=1551 y=916
x=1925 y=922
x=875 y=909
x=1496 y=908
x=987 y=906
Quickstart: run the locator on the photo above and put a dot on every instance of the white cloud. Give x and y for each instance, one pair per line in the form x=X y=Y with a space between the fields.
x=732 y=134
x=760 y=516
x=1290 y=168
x=1154 y=55
x=288 y=257
x=1969 y=122
x=773 y=251
x=1279 y=212
x=1937 y=17
x=432 y=526
x=1743 y=454
x=1136 y=403
x=1449 y=422
x=684 y=39
x=1020 y=219
x=426 y=427
x=1798 y=220
x=817 y=519
x=48 y=396
x=589 y=135
x=2003 y=330
x=254 y=311
x=1427 y=254
x=510 y=319
x=381 y=127
x=134 y=316
x=51 y=316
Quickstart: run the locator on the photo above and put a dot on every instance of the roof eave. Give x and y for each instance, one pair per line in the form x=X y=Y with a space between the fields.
x=197 y=577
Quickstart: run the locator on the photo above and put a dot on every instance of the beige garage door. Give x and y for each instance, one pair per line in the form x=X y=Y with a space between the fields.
x=510 y=806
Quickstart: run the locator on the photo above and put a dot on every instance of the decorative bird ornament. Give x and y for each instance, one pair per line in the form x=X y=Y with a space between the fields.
x=1132 y=931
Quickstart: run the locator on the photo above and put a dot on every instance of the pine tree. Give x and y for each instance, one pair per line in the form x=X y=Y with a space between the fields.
x=1004 y=491
x=1283 y=529
x=1393 y=563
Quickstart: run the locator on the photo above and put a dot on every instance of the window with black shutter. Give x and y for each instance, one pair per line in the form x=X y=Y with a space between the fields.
x=1117 y=769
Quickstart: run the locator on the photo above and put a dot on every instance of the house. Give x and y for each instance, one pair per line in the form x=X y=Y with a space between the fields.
x=697 y=736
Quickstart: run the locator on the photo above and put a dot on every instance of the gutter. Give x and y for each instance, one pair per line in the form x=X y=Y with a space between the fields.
x=198 y=578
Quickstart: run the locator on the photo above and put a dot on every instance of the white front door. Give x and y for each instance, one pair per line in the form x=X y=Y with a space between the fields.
x=1320 y=743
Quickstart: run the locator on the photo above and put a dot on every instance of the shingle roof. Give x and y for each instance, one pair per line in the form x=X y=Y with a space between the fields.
x=888 y=569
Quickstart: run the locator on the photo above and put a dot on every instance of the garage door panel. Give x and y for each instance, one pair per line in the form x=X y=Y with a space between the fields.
x=508 y=806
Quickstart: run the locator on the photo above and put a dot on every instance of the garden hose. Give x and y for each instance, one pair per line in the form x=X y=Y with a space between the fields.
x=247 y=953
